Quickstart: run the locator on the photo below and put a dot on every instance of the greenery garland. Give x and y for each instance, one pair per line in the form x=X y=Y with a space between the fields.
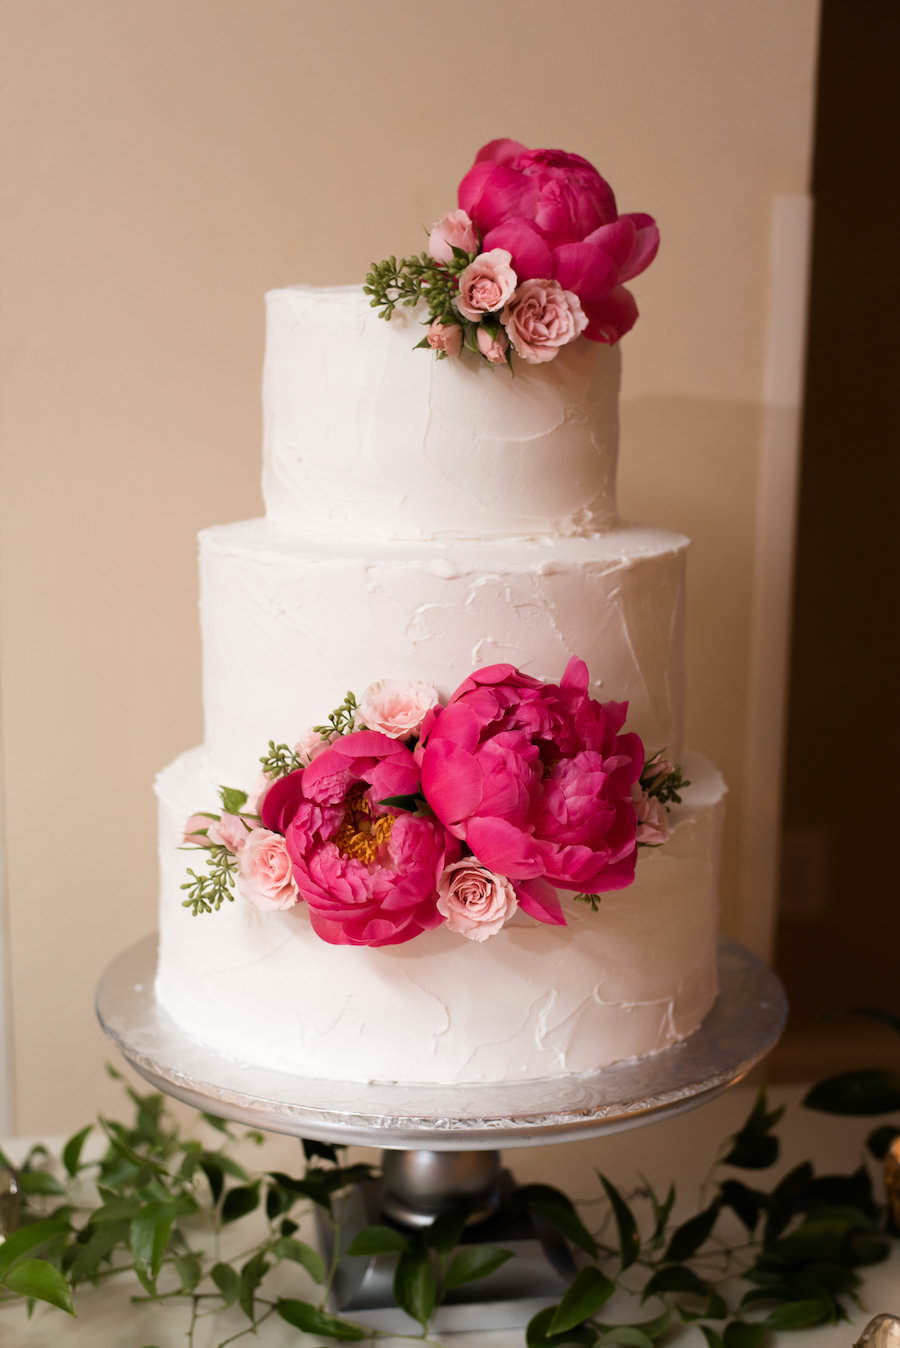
x=807 y=1236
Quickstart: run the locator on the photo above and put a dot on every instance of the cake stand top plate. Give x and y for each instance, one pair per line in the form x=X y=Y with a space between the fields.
x=739 y=1031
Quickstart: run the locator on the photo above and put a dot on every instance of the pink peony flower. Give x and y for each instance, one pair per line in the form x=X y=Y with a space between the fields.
x=486 y=284
x=542 y=317
x=475 y=902
x=536 y=779
x=493 y=346
x=652 y=819
x=367 y=871
x=229 y=830
x=265 y=875
x=446 y=337
x=396 y=708
x=558 y=218
x=454 y=230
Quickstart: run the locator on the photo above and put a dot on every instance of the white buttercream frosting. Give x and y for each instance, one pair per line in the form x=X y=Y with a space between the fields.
x=367 y=439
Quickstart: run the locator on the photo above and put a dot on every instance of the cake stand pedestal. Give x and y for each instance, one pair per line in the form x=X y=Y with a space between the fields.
x=442 y=1143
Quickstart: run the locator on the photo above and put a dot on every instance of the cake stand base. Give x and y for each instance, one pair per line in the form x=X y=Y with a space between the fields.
x=441 y=1142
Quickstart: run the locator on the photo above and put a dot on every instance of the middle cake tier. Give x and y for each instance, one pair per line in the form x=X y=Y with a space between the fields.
x=288 y=627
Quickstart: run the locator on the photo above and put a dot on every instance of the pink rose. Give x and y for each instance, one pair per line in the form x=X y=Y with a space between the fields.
x=367 y=871
x=454 y=230
x=536 y=779
x=230 y=831
x=196 y=830
x=657 y=768
x=493 y=346
x=486 y=284
x=445 y=338
x=652 y=819
x=310 y=744
x=475 y=902
x=540 y=318
x=265 y=876
x=395 y=708
x=558 y=218
x=256 y=793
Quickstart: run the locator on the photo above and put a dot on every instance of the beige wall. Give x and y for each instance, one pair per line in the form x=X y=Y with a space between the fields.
x=165 y=163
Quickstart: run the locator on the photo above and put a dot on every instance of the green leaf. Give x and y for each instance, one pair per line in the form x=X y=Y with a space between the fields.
x=713 y=1337
x=740 y=1334
x=325 y=1150
x=378 y=1240
x=240 y=1201
x=687 y=1238
x=753 y=1146
x=40 y=1281
x=216 y=1179
x=215 y=1122
x=115 y=1209
x=286 y=1247
x=410 y=803
x=800 y=1314
x=117 y=1142
x=629 y=1239
x=590 y=1290
x=474 y=1262
x=625 y=1334
x=880 y=1139
x=233 y=800
x=445 y=1232
x=873 y=1090
x=675 y=1278
x=252 y=1275
x=89 y=1254
x=303 y=1316
x=39 y=1183
x=29 y=1239
x=189 y=1268
x=538 y=1330
x=662 y=1210
x=149 y=1239
x=71 y=1155
x=230 y=1166
x=414 y=1286
x=228 y=1282
x=555 y=1208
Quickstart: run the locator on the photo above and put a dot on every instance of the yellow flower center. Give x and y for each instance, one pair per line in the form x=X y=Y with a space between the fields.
x=360 y=835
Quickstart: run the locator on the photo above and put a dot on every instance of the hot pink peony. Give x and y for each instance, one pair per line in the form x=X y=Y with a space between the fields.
x=396 y=707
x=454 y=230
x=265 y=876
x=475 y=902
x=446 y=337
x=367 y=871
x=541 y=318
x=558 y=218
x=537 y=780
x=486 y=284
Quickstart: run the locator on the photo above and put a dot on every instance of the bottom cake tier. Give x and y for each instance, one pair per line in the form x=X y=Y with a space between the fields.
x=534 y=1001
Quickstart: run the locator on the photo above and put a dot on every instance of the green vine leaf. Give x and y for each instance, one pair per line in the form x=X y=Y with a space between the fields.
x=874 y=1090
x=537 y=1333
x=149 y=1240
x=590 y=1290
x=474 y=1262
x=755 y=1147
x=800 y=1314
x=687 y=1238
x=311 y=1320
x=252 y=1275
x=675 y=1278
x=71 y=1154
x=189 y=1268
x=747 y=1204
x=36 y=1183
x=662 y=1210
x=287 y=1247
x=414 y=1287
x=555 y=1208
x=626 y=1225
x=228 y=1282
x=239 y=1201
x=40 y=1281
x=378 y=1240
x=741 y=1334
x=445 y=1232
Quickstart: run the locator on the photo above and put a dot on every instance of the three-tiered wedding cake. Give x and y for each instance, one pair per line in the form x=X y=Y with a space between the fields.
x=426 y=519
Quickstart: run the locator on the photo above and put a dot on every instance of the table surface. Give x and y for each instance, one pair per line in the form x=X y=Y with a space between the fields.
x=680 y=1149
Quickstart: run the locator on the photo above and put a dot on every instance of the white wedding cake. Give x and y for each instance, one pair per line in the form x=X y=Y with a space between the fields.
x=426 y=519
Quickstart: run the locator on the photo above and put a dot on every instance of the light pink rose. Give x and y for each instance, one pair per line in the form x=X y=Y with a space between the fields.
x=454 y=230
x=265 y=873
x=445 y=338
x=395 y=707
x=492 y=347
x=475 y=902
x=486 y=284
x=540 y=318
x=310 y=744
x=196 y=830
x=256 y=793
x=230 y=831
x=658 y=768
x=652 y=819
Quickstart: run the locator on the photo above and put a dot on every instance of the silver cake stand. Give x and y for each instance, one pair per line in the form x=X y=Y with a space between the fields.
x=441 y=1143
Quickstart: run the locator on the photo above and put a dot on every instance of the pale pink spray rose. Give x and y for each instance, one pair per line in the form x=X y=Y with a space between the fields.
x=395 y=707
x=542 y=317
x=475 y=901
x=310 y=744
x=230 y=831
x=445 y=337
x=652 y=819
x=265 y=873
x=486 y=284
x=454 y=230
x=196 y=830
x=493 y=346
x=256 y=793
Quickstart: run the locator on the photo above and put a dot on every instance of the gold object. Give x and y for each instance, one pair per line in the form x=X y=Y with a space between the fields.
x=10 y=1202
x=882 y=1332
x=892 y=1180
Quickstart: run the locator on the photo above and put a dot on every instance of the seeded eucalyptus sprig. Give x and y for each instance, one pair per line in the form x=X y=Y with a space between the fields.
x=411 y=279
x=340 y=721
x=207 y=892
x=279 y=760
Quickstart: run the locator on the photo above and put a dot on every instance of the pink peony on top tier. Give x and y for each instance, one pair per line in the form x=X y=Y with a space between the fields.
x=558 y=219
x=537 y=780
x=367 y=872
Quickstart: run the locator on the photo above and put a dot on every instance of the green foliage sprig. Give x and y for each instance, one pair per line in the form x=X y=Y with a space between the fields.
x=340 y=721
x=207 y=892
x=805 y=1237
x=413 y=279
x=663 y=781
x=279 y=760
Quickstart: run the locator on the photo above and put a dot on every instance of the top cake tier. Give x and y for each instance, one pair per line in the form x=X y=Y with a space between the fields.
x=366 y=438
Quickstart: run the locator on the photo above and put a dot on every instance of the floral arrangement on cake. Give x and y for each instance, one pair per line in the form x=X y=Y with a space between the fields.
x=399 y=814
x=536 y=255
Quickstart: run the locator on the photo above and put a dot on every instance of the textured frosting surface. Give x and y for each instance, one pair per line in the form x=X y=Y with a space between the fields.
x=289 y=626
x=365 y=438
x=533 y=1001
